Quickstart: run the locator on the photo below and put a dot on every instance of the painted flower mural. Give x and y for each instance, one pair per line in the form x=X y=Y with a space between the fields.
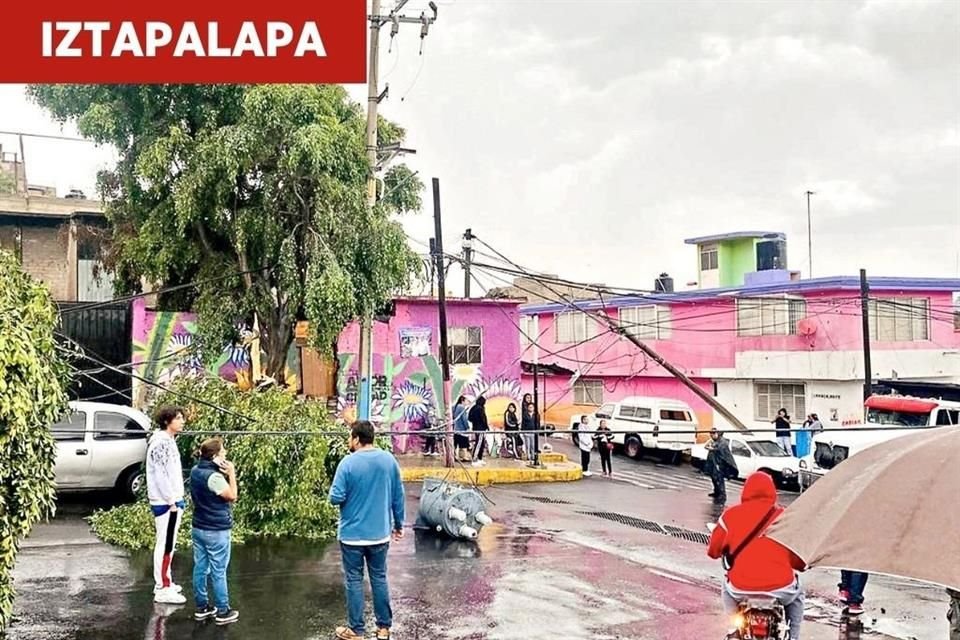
x=466 y=373
x=348 y=410
x=499 y=392
x=413 y=399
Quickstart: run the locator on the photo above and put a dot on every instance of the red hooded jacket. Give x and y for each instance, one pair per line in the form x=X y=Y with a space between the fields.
x=763 y=565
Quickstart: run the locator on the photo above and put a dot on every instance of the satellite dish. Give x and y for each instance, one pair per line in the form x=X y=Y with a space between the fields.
x=807 y=327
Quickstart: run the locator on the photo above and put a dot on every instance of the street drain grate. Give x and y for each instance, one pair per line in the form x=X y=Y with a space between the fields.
x=546 y=500
x=648 y=525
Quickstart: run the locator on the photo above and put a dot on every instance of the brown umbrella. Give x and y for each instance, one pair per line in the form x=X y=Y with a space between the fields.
x=892 y=509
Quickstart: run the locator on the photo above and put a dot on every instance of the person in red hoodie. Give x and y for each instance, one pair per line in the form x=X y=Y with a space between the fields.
x=760 y=565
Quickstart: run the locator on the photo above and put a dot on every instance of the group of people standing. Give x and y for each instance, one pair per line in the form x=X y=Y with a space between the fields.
x=518 y=440
x=804 y=436
x=586 y=439
x=213 y=490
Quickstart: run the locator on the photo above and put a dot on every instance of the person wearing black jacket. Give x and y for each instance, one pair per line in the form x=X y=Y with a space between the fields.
x=511 y=424
x=478 y=420
x=529 y=426
x=720 y=465
x=604 y=439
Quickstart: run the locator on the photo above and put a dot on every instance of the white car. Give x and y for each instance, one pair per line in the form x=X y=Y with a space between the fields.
x=754 y=453
x=660 y=425
x=101 y=446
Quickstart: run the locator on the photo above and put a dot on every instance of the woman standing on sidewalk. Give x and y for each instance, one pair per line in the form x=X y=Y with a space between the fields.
x=585 y=441
x=478 y=420
x=604 y=439
x=511 y=425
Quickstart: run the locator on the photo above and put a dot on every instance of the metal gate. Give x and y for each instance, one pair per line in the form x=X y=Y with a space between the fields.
x=104 y=333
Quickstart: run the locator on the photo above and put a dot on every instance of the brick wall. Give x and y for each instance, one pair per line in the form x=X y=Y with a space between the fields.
x=45 y=257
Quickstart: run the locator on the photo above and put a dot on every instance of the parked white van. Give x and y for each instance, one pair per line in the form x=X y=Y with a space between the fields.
x=901 y=413
x=661 y=424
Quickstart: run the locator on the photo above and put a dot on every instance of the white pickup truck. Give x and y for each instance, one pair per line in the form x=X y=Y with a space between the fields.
x=901 y=413
x=648 y=425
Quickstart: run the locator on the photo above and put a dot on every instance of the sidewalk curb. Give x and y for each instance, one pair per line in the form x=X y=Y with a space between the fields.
x=557 y=472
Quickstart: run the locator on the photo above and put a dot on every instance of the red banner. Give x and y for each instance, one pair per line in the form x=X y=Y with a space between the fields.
x=105 y=41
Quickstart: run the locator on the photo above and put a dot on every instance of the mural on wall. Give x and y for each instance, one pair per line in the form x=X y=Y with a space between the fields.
x=405 y=390
x=163 y=351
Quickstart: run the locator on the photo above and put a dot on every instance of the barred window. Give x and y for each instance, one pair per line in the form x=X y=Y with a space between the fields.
x=588 y=392
x=773 y=396
x=769 y=316
x=650 y=322
x=899 y=319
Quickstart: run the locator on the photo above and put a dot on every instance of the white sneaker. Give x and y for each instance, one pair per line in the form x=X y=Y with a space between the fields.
x=587 y=474
x=175 y=587
x=169 y=596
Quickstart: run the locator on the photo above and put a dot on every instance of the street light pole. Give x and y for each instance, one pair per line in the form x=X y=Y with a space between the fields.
x=809 y=234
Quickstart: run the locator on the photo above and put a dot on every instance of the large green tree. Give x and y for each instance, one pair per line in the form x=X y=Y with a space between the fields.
x=32 y=397
x=268 y=181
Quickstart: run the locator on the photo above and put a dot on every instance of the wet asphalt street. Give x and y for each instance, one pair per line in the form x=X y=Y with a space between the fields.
x=590 y=559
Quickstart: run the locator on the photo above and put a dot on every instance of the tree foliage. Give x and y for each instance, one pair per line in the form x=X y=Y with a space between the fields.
x=32 y=397
x=268 y=180
x=284 y=480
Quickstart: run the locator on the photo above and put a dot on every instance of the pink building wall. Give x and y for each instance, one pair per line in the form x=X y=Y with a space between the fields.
x=407 y=385
x=704 y=337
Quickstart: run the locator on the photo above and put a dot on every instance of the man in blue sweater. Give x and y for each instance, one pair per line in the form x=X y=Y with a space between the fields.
x=368 y=489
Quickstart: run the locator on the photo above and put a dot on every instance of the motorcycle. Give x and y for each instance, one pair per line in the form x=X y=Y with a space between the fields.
x=759 y=617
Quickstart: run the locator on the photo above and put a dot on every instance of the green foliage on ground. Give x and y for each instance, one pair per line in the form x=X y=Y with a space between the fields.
x=283 y=480
x=33 y=379
x=214 y=180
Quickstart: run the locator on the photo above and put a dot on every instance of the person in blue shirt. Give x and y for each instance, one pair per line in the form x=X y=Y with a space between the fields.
x=461 y=427
x=368 y=489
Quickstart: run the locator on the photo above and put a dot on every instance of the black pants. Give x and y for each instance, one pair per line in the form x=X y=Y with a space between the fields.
x=461 y=441
x=430 y=444
x=719 y=485
x=585 y=460
x=481 y=446
x=606 y=460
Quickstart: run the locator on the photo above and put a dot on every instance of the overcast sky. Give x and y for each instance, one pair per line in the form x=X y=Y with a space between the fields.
x=589 y=139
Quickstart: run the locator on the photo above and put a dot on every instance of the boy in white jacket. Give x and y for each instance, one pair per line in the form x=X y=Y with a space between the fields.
x=165 y=491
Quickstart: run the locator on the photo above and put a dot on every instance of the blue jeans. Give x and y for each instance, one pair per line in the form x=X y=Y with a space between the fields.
x=211 y=556
x=375 y=558
x=854 y=582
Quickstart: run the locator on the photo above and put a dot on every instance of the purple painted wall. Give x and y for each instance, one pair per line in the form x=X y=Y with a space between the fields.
x=407 y=377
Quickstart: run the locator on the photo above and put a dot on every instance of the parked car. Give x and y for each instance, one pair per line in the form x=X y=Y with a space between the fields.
x=755 y=453
x=901 y=413
x=101 y=446
x=662 y=425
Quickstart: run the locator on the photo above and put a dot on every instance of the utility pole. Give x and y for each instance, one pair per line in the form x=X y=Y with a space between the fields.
x=809 y=234
x=374 y=97
x=442 y=310
x=536 y=392
x=467 y=258
x=865 y=312
x=679 y=375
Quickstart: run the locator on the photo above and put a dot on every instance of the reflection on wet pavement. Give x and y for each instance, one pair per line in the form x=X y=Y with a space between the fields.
x=542 y=570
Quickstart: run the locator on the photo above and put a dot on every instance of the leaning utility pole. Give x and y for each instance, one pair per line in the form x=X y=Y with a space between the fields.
x=374 y=97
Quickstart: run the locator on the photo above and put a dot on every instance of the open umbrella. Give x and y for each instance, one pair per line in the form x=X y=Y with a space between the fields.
x=892 y=509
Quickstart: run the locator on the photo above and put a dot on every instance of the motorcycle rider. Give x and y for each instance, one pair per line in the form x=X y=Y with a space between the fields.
x=756 y=564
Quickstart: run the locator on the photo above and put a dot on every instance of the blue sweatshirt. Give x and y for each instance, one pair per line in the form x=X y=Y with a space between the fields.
x=368 y=489
x=460 y=422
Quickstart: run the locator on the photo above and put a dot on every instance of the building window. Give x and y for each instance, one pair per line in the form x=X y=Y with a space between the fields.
x=527 y=336
x=956 y=311
x=900 y=319
x=574 y=326
x=709 y=257
x=466 y=345
x=588 y=392
x=773 y=396
x=769 y=316
x=646 y=323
